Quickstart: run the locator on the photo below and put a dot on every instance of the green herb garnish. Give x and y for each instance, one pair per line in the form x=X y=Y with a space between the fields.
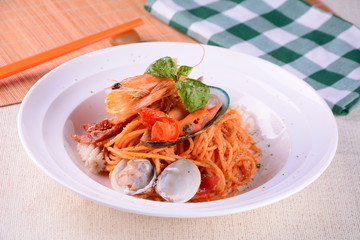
x=183 y=71
x=193 y=93
x=164 y=67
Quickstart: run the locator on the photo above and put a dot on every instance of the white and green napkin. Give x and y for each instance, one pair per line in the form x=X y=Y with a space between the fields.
x=316 y=46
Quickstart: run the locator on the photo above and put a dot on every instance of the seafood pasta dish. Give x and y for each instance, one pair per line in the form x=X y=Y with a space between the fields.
x=170 y=138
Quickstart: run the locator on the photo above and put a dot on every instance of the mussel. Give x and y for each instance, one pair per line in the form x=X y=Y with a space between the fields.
x=178 y=182
x=218 y=97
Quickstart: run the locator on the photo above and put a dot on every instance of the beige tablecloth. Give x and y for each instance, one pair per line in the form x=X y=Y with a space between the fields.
x=33 y=206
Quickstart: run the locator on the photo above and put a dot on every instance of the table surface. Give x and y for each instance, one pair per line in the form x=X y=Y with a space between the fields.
x=33 y=206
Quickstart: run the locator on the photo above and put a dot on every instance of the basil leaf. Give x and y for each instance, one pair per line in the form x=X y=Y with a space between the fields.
x=183 y=71
x=164 y=67
x=193 y=93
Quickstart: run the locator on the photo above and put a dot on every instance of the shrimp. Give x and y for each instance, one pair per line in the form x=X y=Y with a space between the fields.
x=197 y=120
x=178 y=113
x=135 y=93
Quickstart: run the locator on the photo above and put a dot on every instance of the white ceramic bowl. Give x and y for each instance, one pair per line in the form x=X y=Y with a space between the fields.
x=297 y=131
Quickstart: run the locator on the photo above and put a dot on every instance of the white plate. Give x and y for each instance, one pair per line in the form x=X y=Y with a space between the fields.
x=298 y=133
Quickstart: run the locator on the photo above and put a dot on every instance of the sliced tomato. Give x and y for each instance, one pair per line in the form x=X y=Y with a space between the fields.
x=207 y=184
x=163 y=127
x=150 y=116
x=166 y=129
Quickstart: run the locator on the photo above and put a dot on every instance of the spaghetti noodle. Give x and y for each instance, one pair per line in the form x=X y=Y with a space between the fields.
x=225 y=150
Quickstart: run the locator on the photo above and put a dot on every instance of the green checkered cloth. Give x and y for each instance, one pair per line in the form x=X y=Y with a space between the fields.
x=316 y=46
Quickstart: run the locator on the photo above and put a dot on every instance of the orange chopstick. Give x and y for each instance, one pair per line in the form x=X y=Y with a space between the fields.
x=40 y=58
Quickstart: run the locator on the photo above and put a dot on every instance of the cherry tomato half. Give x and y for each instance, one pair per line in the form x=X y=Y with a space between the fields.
x=163 y=127
x=166 y=129
x=150 y=116
x=207 y=184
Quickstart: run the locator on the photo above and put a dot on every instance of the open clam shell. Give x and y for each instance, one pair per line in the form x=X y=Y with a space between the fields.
x=133 y=176
x=179 y=181
x=225 y=103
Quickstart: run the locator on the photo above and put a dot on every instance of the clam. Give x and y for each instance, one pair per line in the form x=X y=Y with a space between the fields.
x=218 y=97
x=178 y=182
x=133 y=176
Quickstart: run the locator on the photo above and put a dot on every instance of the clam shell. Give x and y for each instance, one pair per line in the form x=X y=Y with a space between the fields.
x=179 y=181
x=133 y=176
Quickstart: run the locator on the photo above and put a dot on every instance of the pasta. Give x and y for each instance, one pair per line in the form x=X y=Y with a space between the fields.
x=225 y=150
x=165 y=107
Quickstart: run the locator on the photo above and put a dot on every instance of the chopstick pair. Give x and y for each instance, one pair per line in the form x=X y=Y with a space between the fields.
x=48 y=55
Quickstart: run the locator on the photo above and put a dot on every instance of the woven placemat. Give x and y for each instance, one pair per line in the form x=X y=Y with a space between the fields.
x=33 y=26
